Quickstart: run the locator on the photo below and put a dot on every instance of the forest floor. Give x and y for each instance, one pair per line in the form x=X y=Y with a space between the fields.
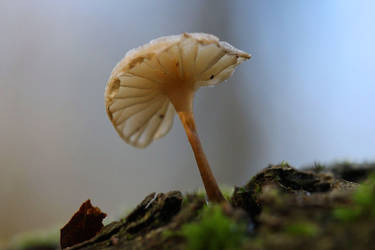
x=279 y=208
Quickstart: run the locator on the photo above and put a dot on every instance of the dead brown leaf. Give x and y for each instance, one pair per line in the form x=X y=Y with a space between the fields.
x=84 y=224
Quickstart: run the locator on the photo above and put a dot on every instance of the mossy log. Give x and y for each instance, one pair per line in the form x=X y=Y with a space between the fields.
x=279 y=208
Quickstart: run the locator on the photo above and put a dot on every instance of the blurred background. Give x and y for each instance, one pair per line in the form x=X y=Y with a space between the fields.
x=307 y=95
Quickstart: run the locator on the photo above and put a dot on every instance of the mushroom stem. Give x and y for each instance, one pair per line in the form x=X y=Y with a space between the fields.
x=212 y=189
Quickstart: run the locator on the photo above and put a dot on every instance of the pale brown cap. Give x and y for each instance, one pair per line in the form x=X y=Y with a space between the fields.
x=136 y=96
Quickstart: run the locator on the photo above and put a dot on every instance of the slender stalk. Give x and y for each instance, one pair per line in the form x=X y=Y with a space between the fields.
x=212 y=189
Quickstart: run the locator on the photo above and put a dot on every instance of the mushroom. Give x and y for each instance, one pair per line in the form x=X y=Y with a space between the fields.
x=154 y=81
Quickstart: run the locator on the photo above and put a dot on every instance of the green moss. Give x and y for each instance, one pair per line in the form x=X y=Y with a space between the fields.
x=241 y=190
x=199 y=194
x=318 y=167
x=284 y=164
x=257 y=188
x=185 y=200
x=363 y=203
x=45 y=238
x=365 y=195
x=302 y=229
x=168 y=233
x=347 y=214
x=214 y=231
x=227 y=192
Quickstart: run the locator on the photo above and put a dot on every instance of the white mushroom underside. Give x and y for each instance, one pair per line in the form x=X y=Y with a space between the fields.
x=136 y=99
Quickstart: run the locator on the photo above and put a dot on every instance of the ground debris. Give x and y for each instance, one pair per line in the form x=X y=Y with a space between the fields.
x=151 y=214
x=84 y=224
x=279 y=208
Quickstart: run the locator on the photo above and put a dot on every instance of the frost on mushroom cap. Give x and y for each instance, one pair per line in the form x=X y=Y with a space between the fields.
x=139 y=90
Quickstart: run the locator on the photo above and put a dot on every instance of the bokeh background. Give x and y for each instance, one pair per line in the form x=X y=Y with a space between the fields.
x=308 y=94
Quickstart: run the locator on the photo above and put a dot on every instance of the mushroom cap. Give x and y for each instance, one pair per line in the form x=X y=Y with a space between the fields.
x=136 y=95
